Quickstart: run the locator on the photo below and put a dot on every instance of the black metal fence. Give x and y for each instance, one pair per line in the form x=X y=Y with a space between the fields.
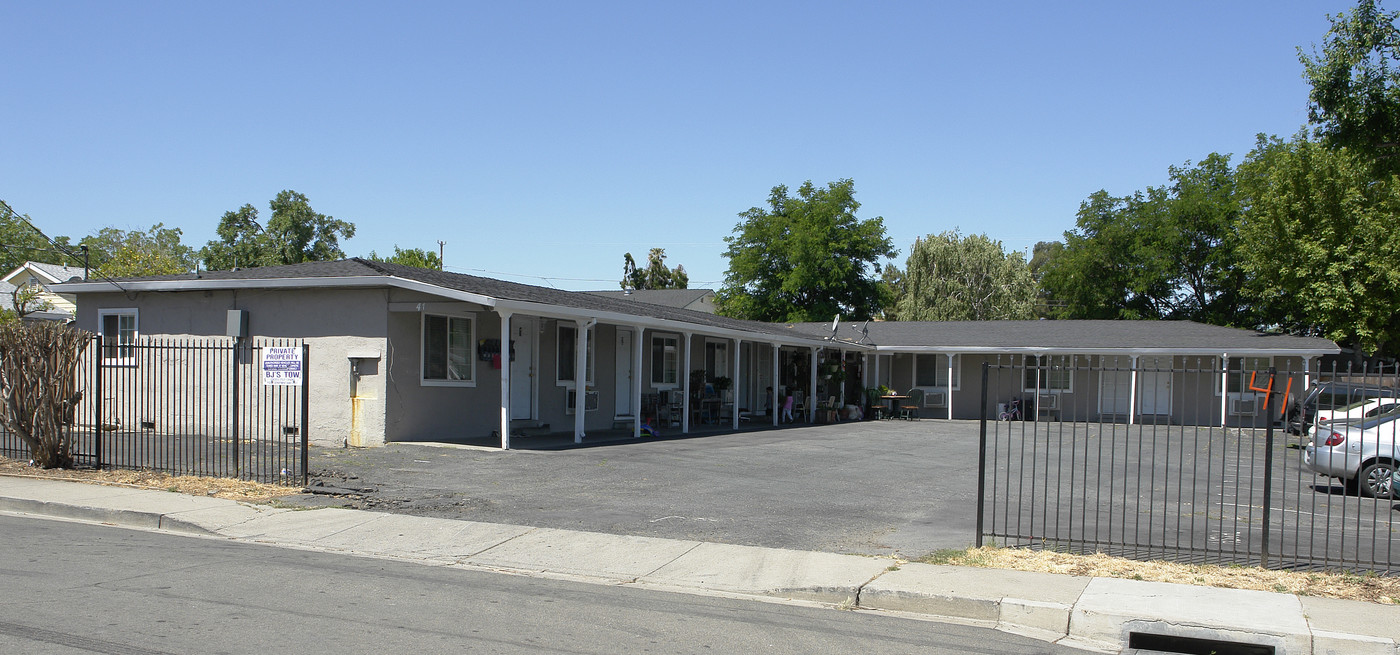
x=221 y=407
x=1198 y=463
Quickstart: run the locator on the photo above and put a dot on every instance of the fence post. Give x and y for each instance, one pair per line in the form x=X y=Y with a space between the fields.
x=237 y=461
x=1268 y=474
x=99 y=402
x=305 y=413
x=982 y=459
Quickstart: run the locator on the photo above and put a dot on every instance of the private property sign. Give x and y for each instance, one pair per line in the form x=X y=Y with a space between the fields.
x=281 y=365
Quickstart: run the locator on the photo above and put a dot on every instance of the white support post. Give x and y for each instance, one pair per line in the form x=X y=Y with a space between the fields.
x=636 y=387
x=948 y=398
x=777 y=408
x=1132 y=389
x=685 y=383
x=505 y=380
x=811 y=410
x=580 y=377
x=734 y=389
x=1224 y=388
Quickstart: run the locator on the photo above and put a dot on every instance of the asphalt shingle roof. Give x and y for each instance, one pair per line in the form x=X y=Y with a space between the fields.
x=667 y=297
x=963 y=335
x=999 y=335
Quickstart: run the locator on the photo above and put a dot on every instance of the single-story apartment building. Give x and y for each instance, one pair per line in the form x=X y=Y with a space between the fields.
x=400 y=353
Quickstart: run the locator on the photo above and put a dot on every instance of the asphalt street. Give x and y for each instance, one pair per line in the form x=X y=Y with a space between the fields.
x=72 y=588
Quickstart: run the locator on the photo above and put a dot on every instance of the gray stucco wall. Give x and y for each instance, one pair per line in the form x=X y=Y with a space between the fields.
x=334 y=323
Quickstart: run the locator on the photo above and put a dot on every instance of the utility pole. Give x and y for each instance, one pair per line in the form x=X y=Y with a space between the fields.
x=441 y=243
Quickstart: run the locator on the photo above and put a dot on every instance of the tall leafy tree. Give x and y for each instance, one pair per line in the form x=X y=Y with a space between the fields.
x=410 y=257
x=1165 y=252
x=157 y=251
x=294 y=233
x=1319 y=242
x=655 y=276
x=951 y=277
x=1355 y=79
x=19 y=243
x=805 y=258
x=1042 y=254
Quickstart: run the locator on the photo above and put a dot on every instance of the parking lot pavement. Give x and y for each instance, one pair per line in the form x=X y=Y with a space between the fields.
x=878 y=488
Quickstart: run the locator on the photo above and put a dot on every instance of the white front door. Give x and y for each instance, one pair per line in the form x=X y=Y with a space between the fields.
x=1154 y=393
x=1115 y=386
x=522 y=367
x=623 y=402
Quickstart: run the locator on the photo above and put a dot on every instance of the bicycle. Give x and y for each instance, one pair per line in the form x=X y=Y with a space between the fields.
x=1013 y=411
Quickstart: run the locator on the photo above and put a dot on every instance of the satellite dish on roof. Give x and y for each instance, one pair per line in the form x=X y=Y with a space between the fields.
x=864 y=331
x=835 y=322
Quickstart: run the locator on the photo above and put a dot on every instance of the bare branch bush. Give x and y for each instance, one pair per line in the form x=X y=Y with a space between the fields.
x=38 y=366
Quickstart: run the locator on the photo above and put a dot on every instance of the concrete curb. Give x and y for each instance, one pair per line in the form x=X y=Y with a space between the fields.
x=1089 y=613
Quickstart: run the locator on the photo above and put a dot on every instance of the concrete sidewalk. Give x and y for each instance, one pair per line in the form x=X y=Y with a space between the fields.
x=1092 y=613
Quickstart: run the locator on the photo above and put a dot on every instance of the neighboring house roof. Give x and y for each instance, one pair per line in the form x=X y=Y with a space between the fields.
x=50 y=273
x=681 y=298
x=1070 y=336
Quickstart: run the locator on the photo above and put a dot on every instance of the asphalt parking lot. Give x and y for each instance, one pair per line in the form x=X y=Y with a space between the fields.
x=877 y=488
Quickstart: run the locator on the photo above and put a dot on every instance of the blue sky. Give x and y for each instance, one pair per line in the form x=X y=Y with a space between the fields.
x=542 y=140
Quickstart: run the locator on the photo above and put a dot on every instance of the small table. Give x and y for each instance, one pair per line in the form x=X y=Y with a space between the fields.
x=893 y=402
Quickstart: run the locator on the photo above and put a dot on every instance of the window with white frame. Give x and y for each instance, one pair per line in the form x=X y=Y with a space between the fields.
x=568 y=351
x=665 y=360
x=931 y=371
x=1049 y=373
x=1240 y=368
x=447 y=350
x=118 y=328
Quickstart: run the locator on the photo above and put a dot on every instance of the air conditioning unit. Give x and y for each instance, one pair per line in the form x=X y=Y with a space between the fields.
x=1048 y=401
x=1244 y=405
x=935 y=399
x=590 y=402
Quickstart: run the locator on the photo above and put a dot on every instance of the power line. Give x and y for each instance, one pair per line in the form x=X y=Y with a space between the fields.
x=59 y=248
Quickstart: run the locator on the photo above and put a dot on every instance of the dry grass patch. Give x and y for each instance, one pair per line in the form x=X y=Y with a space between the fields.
x=244 y=490
x=1349 y=586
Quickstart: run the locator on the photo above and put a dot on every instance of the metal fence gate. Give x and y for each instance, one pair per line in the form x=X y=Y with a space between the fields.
x=198 y=406
x=1112 y=478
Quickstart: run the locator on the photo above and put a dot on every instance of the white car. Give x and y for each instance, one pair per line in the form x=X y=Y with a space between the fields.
x=1366 y=408
x=1361 y=453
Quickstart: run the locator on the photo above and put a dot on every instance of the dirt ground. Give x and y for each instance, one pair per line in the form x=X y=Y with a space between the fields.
x=1371 y=588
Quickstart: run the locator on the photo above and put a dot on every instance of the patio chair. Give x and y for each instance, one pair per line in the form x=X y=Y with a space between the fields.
x=830 y=411
x=909 y=409
x=799 y=406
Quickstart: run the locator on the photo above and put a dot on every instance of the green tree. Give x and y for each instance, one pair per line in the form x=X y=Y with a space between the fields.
x=410 y=257
x=22 y=243
x=655 y=276
x=951 y=277
x=295 y=233
x=805 y=258
x=1319 y=241
x=157 y=251
x=1042 y=255
x=1355 y=96
x=1166 y=252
